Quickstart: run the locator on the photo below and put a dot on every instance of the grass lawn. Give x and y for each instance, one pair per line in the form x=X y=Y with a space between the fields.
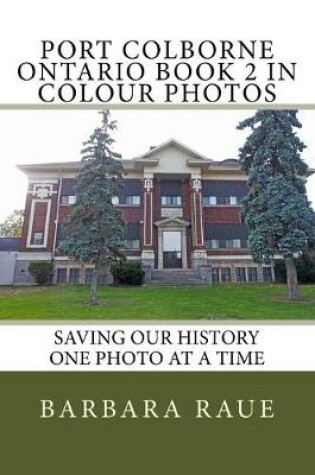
x=230 y=301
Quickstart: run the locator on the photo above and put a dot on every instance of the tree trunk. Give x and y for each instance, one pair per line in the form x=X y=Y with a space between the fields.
x=93 y=296
x=292 y=281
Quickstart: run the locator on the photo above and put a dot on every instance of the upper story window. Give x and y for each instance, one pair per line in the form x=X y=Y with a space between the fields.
x=233 y=243
x=133 y=200
x=171 y=192
x=131 y=239
x=171 y=200
x=212 y=244
x=209 y=200
x=68 y=199
x=225 y=235
x=37 y=239
x=130 y=193
x=225 y=192
x=234 y=200
x=220 y=200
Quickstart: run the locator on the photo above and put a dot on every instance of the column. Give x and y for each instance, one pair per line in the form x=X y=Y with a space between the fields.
x=147 y=254
x=199 y=253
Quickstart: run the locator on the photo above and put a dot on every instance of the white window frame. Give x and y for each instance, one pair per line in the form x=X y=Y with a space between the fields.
x=135 y=200
x=31 y=222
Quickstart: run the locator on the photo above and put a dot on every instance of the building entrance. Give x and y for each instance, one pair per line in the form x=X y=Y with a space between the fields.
x=172 y=249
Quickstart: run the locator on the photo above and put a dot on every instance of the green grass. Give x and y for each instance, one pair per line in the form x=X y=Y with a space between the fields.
x=233 y=301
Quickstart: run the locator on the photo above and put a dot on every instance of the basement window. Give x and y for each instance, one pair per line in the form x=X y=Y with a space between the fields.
x=74 y=275
x=226 y=275
x=61 y=276
x=240 y=274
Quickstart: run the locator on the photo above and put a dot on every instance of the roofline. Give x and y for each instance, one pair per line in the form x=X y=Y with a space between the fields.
x=179 y=144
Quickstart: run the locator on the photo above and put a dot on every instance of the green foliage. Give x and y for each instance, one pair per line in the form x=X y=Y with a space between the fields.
x=127 y=272
x=94 y=228
x=12 y=225
x=41 y=271
x=276 y=209
x=305 y=267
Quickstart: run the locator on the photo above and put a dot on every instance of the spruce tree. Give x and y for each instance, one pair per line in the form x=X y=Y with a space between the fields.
x=276 y=210
x=94 y=228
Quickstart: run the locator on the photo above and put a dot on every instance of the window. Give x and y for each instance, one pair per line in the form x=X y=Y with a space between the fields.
x=61 y=276
x=131 y=240
x=88 y=276
x=233 y=200
x=68 y=199
x=115 y=200
x=133 y=200
x=240 y=274
x=74 y=275
x=233 y=243
x=209 y=200
x=37 y=239
x=133 y=244
x=267 y=275
x=252 y=274
x=226 y=274
x=213 y=244
x=215 y=274
x=102 y=279
x=171 y=200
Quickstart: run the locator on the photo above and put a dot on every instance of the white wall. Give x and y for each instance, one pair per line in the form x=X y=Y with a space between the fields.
x=7 y=263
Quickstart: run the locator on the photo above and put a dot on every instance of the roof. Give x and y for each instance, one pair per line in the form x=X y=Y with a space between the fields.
x=175 y=143
x=10 y=243
x=148 y=158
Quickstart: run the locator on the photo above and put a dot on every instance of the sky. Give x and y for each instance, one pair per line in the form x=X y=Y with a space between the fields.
x=57 y=136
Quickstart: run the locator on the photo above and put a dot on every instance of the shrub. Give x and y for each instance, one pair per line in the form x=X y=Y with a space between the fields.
x=305 y=268
x=41 y=272
x=127 y=272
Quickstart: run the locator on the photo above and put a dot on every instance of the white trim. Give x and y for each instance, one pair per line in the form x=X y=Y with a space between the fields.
x=30 y=226
x=201 y=216
x=57 y=215
x=33 y=256
x=43 y=181
x=149 y=242
x=224 y=257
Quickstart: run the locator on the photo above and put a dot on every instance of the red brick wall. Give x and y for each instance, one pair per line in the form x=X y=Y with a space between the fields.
x=221 y=214
x=39 y=220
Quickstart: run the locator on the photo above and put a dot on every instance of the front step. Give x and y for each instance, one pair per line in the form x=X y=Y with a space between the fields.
x=176 y=277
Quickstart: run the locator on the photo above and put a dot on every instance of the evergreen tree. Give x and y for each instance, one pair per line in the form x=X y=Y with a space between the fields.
x=276 y=210
x=94 y=227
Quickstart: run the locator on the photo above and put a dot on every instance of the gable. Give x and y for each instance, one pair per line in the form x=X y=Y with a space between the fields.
x=171 y=159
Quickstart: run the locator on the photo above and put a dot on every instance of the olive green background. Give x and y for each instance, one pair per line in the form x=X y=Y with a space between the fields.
x=283 y=445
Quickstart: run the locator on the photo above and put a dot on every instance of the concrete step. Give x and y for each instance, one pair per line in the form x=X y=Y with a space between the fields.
x=176 y=277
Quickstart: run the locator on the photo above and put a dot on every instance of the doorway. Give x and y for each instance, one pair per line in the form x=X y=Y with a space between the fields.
x=172 y=249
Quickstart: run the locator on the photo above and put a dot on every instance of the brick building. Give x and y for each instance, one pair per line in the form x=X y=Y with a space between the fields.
x=181 y=211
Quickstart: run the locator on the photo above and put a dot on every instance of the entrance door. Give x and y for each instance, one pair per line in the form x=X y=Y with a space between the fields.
x=172 y=249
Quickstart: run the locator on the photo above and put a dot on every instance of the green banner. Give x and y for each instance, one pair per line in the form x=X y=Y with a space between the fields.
x=144 y=423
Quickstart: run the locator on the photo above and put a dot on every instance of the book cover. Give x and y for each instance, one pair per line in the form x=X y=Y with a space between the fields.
x=157 y=235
